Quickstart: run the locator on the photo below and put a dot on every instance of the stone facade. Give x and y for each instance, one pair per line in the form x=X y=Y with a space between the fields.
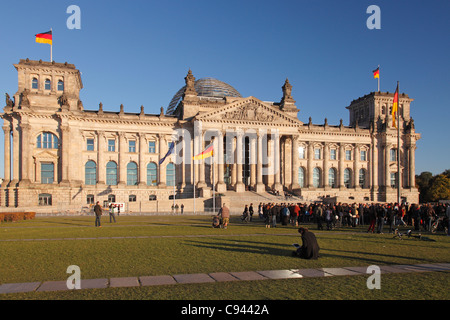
x=65 y=157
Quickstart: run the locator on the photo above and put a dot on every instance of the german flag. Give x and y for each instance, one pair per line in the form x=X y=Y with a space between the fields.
x=208 y=152
x=376 y=73
x=395 y=107
x=45 y=37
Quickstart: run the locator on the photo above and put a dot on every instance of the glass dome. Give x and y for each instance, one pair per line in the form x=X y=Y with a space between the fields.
x=205 y=87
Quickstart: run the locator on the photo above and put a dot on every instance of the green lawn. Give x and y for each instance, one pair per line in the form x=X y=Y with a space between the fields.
x=42 y=249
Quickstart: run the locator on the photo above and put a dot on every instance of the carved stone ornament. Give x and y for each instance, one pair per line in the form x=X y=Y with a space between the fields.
x=9 y=102
x=63 y=101
x=24 y=102
x=190 y=81
x=249 y=112
x=287 y=90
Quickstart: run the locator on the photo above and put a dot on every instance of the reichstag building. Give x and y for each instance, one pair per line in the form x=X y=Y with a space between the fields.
x=60 y=156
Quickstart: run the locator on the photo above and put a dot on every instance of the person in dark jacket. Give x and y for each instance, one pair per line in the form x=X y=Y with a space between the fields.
x=310 y=248
x=98 y=213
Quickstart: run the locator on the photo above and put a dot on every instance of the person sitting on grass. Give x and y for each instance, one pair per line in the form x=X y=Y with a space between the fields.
x=310 y=248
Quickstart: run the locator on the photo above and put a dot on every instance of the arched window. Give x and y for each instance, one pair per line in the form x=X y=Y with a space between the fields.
x=111 y=173
x=60 y=85
x=132 y=174
x=362 y=178
x=90 y=173
x=47 y=84
x=34 y=83
x=347 y=177
x=316 y=177
x=301 y=177
x=170 y=174
x=332 y=177
x=152 y=174
x=46 y=140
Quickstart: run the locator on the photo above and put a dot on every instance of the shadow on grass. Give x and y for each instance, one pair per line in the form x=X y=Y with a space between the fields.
x=234 y=246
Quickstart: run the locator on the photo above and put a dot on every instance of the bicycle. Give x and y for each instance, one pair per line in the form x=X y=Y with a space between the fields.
x=440 y=223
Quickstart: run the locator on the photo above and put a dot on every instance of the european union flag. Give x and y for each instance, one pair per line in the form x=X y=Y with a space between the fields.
x=171 y=147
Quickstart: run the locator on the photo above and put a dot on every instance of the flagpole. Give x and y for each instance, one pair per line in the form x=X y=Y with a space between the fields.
x=214 y=182
x=398 y=148
x=378 y=78
x=51 y=47
x=193 y=170
x=174 y=177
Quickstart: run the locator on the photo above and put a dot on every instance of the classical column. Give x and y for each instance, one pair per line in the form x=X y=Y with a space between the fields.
x=295 y=163
x=374 y=168
x=277 y=164
x=412 y=166
x=101 y=149
x=240 y=187
x=326 y=157
x=201 y=179
x=233 y=160
x=356 y=159
x=122 y=159
x=221 y=186
x=310 y=164
x=16 y=155
x=387 y=174
x=252 y=146
x=24 y=153
x=65 y=161
x=181 y=156
x=162 y=143
x=260 y=187
x=142 y=166
x=7 y=156
x=341 y=166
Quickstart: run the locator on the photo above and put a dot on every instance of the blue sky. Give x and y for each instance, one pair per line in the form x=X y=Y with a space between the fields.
x=138 y=52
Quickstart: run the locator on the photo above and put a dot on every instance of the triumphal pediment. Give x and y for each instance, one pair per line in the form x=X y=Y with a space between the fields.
x=249 y=110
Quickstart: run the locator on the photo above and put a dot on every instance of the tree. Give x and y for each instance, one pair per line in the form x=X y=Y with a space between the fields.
x=423 y=184
x=433 y=188
x=439 y=188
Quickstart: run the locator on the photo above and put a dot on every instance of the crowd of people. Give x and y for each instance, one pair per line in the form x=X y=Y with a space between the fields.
x=330 y=216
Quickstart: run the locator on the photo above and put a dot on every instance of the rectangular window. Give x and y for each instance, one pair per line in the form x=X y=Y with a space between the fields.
x=90 y=144
x=151 y=147
x=316 y=154
x=363 y=155
x=393 y=155
x=132 y=146
x=333 y=154
x=393 y=180
x=47 y=173
x=301 y=152
x=112 y=145
x=348 y=154
x=45 y=199
x=90 y=199
x=132 y=198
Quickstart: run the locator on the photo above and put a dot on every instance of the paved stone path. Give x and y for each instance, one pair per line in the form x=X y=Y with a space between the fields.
x=144 y=281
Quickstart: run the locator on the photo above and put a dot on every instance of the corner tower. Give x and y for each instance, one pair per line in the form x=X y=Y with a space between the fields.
x=48 y=86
